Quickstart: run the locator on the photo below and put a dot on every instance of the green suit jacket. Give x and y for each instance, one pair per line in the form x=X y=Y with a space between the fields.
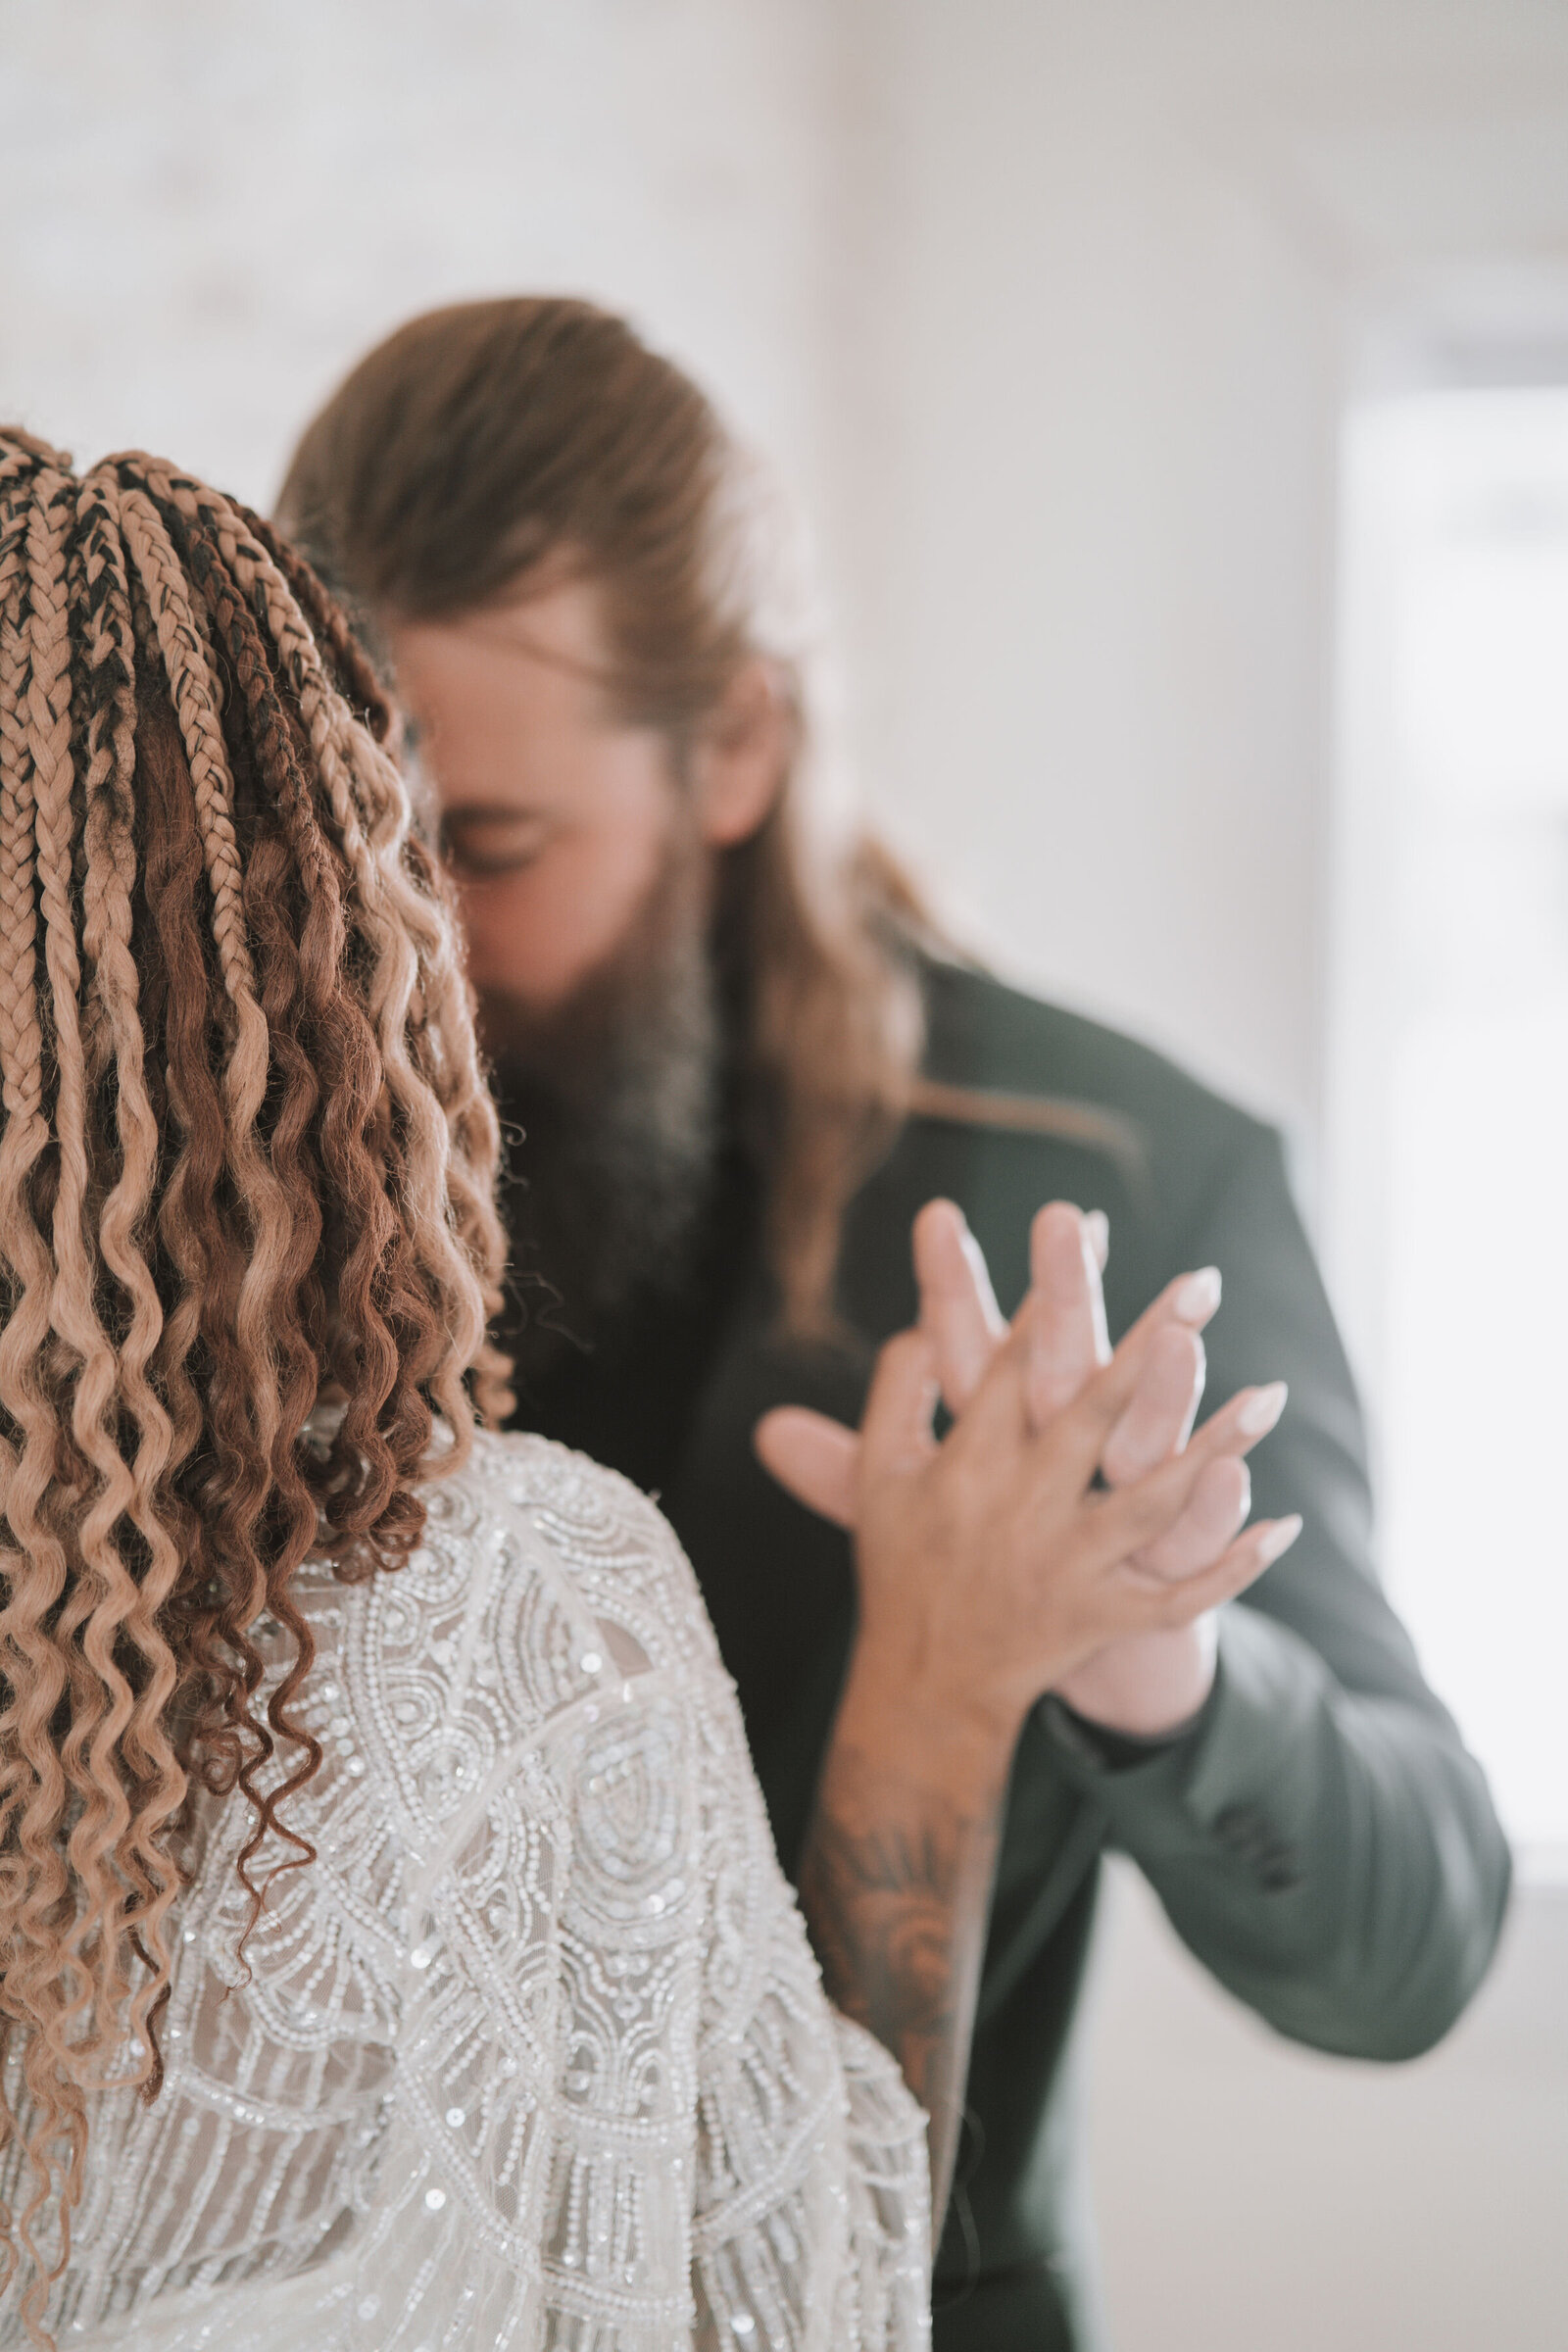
x=1319 y=1839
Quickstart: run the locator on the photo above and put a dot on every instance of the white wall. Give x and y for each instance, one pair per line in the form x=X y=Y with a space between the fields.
x=1049 y=308
x=1104 y=384
x=1253 y=2197
x=1114 y=268
x=212 y=209
x=1123 y=266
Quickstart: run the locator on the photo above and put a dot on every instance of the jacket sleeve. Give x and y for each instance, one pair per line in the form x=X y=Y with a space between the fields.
x=1319 y=1838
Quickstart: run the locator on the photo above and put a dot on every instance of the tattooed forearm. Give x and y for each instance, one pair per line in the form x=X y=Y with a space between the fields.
x=881 y=1911
x=895 y=1884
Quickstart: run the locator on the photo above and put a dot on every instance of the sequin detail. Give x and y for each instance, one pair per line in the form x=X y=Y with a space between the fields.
x=534 y=2057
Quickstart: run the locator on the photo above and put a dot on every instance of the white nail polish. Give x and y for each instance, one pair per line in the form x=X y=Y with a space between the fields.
x=1280 y=1539
x=1259 y=1413
x=1197 y=1296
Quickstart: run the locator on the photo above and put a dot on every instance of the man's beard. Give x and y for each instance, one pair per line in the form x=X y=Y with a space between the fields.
x=615 y=1094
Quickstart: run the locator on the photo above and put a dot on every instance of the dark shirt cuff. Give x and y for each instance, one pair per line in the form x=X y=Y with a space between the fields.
x=1106 y=1750
x=1241 y=1785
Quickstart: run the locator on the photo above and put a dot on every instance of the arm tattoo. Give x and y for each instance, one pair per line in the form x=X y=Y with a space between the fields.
x=895 y=1884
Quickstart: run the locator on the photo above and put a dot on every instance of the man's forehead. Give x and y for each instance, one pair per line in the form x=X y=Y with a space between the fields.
x=557 y=630
x=505 y=717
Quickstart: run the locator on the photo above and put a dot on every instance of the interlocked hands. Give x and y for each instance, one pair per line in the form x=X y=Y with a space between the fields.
x=1068 y=1533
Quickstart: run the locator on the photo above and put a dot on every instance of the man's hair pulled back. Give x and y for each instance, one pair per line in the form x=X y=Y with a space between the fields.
x=491 y=447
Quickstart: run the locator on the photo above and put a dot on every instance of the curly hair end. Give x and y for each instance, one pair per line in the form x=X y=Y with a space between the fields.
x=246 y=1170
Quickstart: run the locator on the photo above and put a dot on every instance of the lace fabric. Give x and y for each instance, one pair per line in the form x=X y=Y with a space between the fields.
x=536 y=2053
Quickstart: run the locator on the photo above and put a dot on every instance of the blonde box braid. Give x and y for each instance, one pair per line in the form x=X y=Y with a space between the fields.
x=34 y=1887
x=378 y=1255
x=246 y=1158
x=371 y=796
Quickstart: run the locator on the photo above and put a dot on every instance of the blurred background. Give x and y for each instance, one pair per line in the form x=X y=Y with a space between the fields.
x=1179 y=392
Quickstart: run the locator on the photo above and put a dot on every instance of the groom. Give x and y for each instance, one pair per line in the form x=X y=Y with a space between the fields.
x=743 y=1062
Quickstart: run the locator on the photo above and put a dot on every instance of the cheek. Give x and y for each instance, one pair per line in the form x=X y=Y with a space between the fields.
x=539 y=933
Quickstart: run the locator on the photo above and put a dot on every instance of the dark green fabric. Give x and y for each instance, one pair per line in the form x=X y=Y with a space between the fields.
x=1319 y=1837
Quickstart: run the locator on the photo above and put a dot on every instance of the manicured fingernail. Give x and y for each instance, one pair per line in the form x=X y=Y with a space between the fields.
x=1061 y=1262
x=1197 y=1296
x=1279 y=1538
x=1259 y=1413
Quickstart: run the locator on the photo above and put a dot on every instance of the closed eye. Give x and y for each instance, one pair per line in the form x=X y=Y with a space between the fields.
x=478 y=844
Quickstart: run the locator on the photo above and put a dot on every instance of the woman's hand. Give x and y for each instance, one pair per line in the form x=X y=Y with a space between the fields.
x=993 y=1566
x=1147 y=1684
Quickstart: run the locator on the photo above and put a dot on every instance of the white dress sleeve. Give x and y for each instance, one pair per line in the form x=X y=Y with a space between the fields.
x=536 y=2057
x=626 y=2118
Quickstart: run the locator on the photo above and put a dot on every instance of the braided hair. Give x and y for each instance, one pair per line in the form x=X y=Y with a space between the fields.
x=246 y=1167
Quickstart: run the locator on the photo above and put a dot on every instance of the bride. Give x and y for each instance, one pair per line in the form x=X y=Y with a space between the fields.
x=392 y=1950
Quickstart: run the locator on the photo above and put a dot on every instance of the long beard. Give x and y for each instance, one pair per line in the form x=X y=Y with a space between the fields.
x=612 y=1110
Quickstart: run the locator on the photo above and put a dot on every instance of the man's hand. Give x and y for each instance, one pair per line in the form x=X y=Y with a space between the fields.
x=1145 y=1684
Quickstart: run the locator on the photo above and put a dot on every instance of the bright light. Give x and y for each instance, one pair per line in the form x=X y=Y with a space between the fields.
x=1451 y=1167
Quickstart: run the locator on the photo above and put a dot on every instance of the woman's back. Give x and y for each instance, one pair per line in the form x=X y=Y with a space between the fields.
x=534 y=2051
x=391 y=1949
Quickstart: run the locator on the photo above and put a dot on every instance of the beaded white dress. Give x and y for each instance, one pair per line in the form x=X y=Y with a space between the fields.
x=535 y=2054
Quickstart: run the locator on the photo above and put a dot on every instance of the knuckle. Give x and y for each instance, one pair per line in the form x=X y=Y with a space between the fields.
x=903 y=1351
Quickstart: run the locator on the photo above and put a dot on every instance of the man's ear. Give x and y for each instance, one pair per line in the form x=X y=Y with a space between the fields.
x=743 y=754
